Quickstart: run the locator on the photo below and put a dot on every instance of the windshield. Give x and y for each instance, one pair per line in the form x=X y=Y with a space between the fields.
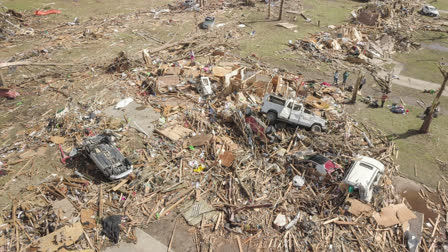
x=366 y=166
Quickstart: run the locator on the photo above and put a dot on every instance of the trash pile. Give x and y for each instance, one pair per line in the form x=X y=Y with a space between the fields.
x=238 y=149
x=377 y=30
x=11 y=25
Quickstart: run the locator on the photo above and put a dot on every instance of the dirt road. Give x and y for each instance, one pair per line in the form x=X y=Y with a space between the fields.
x=412 y=82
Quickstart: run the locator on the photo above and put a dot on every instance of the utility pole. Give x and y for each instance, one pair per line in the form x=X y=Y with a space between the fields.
x=428 y=117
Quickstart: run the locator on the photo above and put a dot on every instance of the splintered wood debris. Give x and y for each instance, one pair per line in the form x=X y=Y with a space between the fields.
x=214 y=159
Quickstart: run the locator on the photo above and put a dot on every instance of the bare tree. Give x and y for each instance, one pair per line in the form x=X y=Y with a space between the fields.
x=281 y=10
x=428 y=116
x=384 y=83
x=269 y=9
x=2 y=81
x=355 y=90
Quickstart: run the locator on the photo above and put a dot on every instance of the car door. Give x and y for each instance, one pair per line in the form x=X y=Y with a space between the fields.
x=306 y=118
x=286 y=111
x=296 y=113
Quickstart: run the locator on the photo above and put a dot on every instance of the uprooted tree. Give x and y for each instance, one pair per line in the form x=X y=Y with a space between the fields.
x=384 y=83
x=428 y=116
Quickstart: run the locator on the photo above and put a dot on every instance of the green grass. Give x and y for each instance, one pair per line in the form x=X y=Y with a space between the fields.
x=428 y=37
x=422 y=64
x=440 y=4
x=389 y=67
x=270 y=38
x=85 y=8
x=415 y=150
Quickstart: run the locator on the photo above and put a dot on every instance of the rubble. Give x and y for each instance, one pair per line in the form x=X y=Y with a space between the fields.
x=215 y=158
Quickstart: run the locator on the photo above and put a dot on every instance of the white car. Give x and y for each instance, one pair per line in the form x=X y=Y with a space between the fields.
x=364 y=174
x=430 y=10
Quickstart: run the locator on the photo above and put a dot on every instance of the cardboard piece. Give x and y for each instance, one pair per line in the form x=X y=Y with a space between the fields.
x=174 y=133
x=221 y=72
x=404 y=214
x=63 y=208
x=62 y=237
x=57 y=139
x=173 y=71
x=88 y=218
x=163 y=82
x=387 y=217
x=227 y=159
x=198 y=140
x=393 y=215
x=357 y=207
x=196 y=211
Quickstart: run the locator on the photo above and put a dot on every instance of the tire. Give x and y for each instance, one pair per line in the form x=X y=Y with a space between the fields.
x=316 y=128
x=271 y=116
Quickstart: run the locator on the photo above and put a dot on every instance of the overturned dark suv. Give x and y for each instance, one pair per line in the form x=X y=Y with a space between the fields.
x=101 y=150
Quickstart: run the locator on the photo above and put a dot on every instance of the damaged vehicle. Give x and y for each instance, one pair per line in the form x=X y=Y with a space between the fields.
x=292 y=112
x=429 y=10
x=205 y=87
x=323 y=164
x=256 y=127
x=208 y=23
x=109 y=160
x=364 y=174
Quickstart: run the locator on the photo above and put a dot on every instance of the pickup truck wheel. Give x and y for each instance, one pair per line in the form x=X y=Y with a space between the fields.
x=271 y=116
x=316 y=128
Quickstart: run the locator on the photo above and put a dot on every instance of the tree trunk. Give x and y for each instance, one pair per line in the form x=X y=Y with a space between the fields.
x=428 y=118
x=269 y=9
x=281 y=10
x=355 y=90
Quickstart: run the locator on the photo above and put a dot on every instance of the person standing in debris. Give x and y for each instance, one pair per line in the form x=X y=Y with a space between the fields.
x=383 y=99
x=192 y=58
x=345 y=77
x=336 y=77
x=363 y=81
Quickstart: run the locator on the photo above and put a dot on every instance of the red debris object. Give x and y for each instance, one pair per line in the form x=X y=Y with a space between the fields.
x=43 y=13
x=64 y=157
x=257 y=126
x=8 y=93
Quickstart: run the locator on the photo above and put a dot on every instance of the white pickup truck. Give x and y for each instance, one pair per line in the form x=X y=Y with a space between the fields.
x=292 y=112
x=364 y=174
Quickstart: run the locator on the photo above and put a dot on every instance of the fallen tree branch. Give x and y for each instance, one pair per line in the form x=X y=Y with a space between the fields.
x=29 y=63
